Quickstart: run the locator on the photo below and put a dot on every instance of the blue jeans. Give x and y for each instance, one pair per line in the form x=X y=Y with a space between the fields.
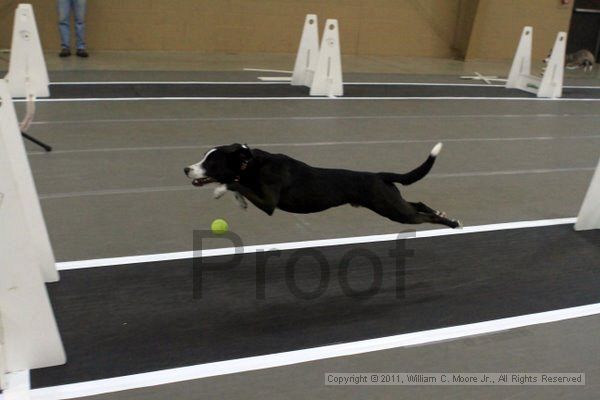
x=64 y=22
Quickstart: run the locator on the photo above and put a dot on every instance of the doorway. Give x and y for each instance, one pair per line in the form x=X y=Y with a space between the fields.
x=584 y=32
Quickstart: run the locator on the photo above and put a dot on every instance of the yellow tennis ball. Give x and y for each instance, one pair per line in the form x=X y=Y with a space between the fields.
x=219 y=226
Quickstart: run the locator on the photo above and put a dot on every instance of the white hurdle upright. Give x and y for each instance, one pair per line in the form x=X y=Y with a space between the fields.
x=308 y=53
x=317 y=66
x=27 y=77
x=27 y=74
x=39 y=242
x=29 y=337
x=551 y=84
x=552 y=81
x=589 y=215
x=328 y=76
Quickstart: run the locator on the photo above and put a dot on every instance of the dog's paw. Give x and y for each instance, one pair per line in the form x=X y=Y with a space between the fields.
x=219 y=191
x=459 y=224
x=241 y=201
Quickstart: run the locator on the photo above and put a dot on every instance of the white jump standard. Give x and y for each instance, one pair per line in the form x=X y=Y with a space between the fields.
x=551 y=84
x=328 y=76
x=589 y=215
x=27 y=73
x=317 y=67
x=308 y=53
x=29 y=337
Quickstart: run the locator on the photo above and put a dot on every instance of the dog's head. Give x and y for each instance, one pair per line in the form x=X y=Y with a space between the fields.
x=222 y=164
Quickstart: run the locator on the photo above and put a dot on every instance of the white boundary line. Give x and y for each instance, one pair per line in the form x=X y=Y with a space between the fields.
x=312 y=118
x=163 y=83
x=275 y=78
x=91 y=99
x=105 y=262
x=174 y=375
x=162 y=189
x=282 y=83
x=357 y=143
x=268 y=70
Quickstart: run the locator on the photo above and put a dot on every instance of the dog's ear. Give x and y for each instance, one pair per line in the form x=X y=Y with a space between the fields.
x=236 y=150
x=245 y=152
x=233 y=148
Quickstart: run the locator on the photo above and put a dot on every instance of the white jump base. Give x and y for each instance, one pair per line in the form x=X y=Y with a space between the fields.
x=520 y=77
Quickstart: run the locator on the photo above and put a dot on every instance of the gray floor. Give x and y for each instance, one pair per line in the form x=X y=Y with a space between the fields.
x=114 y=187
x=559 y=347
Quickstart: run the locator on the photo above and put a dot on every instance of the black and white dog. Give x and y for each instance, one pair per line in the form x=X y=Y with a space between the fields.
x=272 y=181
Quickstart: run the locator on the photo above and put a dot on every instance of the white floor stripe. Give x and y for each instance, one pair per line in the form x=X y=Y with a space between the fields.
x=284 y=82
x=168 y=376
x=104 y=262
x=512 y=172
x=275 y=78
x=277 y=81
x=319 y=144
x=309 y=118
x=158 y=189
x=174 y=83
x=108 y=192
x=268 y=70
x=93 y=99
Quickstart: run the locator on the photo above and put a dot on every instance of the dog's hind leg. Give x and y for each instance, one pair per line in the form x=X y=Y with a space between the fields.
x=394 y=207
x=420 y=218
x=416 y=217
x=424 y=208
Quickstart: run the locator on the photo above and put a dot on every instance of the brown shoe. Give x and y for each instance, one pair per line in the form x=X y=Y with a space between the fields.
x=65 y=52
x=82 y=53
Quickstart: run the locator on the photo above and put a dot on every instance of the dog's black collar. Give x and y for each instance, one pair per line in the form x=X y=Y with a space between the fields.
x=243 y=167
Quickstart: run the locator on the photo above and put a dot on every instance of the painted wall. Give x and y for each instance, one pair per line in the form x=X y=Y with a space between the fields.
x=382 y=27
x=418 y=28
x=499 y=23
x=464 y=25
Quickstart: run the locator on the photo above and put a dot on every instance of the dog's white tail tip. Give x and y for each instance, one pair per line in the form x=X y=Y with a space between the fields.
x=436 y=149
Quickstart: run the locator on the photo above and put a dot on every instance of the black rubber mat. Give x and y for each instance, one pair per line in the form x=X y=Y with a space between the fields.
x=129 y=319
x=62 y=91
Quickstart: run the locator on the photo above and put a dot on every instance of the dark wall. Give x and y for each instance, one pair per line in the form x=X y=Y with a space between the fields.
x=584 y=32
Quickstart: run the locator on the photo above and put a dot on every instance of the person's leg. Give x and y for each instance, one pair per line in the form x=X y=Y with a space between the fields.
x=64 y=23
x=79 y=8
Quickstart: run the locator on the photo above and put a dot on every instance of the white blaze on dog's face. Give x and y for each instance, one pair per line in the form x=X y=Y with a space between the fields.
x=221 y=164
x=197 y=171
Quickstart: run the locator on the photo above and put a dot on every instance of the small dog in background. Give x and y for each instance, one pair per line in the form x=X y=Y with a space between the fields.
x=579 y=59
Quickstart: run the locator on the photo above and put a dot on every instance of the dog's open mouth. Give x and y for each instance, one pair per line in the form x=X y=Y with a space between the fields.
x=202 y=181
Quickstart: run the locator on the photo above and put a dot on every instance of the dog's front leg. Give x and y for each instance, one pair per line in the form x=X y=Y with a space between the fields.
x=219 y=191
x=222 y=189
x=240 y=200
x=267 y=202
